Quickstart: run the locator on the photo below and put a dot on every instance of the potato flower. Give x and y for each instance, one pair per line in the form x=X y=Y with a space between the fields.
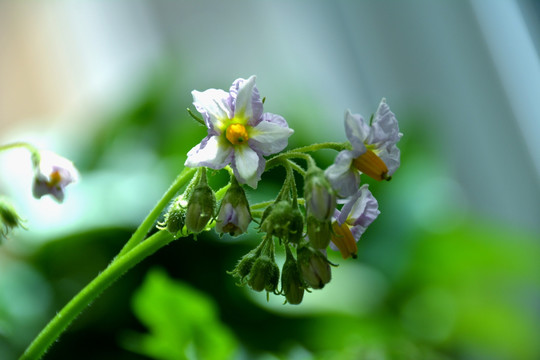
x=239 y=133
x=374 y=151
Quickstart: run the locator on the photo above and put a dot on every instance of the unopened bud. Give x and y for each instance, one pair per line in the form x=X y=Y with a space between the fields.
x=201 y=207
x=9 y=219
x=243 y=268
x=175 y=218
x=264 y=274
x=319 y=232
x=314 y=267
x=284 y=221
x=319 y=195
x=291 y=281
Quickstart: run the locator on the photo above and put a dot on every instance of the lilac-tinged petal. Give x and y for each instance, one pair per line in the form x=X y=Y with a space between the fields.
x=247 y=165
x=41 y=188
x=390 y=155
x=384 y=129
x=357 y=132
x=247 y=101
x=215 y=106
x=271 y=135
x=364 y=210
x=213 y=152
x=342 y=176
x=346 y=209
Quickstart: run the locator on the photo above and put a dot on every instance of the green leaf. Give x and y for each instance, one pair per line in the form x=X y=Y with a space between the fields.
x=183 y=323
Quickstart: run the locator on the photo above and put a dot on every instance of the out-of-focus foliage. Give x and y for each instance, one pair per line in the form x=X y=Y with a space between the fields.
x=432 y=280
x=183 y=323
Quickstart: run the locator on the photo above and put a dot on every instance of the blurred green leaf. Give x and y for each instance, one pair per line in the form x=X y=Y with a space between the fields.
x=182 y=321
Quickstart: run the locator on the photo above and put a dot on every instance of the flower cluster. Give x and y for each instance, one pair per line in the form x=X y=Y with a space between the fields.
x=335 y=209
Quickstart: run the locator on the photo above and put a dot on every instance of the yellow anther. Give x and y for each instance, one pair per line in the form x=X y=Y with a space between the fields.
x=237 y=134
x=371 y=165
x=55 y=178
x=344 y=240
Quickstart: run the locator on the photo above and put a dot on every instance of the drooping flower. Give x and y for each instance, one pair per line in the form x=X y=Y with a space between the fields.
x=374 y=151
x=52 y=175
x=359 y=211
x=239 y=133
x=234 y=215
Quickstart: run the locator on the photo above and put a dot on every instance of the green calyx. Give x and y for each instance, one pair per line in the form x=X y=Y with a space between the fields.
x=9 y=219
x=284 y=221
x=292 y=285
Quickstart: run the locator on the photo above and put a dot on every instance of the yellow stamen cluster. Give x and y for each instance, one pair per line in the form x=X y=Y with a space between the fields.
x=344 y=240
x=55 y=178
x=237 y=134
x=371 y=165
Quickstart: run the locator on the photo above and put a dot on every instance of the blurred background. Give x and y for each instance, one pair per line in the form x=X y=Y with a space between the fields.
x=450 y=268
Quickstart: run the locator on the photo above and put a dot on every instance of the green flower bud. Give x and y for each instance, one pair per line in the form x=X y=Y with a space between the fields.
x=264 y=274
x=319 y=195
x=9 y=219
x=243 y=268
x=284 y=221
x=201 y=206
x=319 y=232
x=314 y=267
x=175 y=218
x=291 y=280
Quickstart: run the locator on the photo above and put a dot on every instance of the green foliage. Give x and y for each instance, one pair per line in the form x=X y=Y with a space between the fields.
x=183 y=322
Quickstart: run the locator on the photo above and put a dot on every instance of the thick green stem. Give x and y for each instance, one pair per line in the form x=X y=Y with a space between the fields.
x=115 y=270
x=182 y=179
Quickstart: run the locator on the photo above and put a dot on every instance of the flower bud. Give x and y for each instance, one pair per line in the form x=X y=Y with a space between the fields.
x=291 y=281
x=9 y=218
x=243 y=268
x=319 y=195
x=201 y=207
x=264 y=274
x=234 y=215
x=314 y=267
x=284 y=221
x=175 y=219
x=319 y=232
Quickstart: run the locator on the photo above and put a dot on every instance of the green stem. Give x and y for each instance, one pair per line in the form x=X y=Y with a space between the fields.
x=297 y=168
x=327 y=145
x=21 y=144
x=115 y=270
x=151 y=218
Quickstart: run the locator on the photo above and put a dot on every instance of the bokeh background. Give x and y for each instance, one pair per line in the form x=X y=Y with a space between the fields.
x=449 y=270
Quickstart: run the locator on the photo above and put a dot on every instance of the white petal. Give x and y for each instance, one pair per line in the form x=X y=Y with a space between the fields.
x=343 y=178
x=385 y=129
x=243 y=106
x=246 y=165
x=357 y=131
x=365 y=209
x=211 y=152
x=271 y=135
x=390 y=155
x=215 y=106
